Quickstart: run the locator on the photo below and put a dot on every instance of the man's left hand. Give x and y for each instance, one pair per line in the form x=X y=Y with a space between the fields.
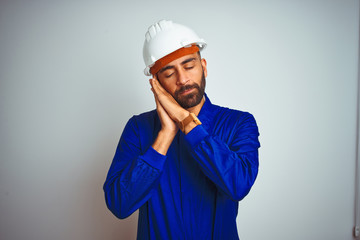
x=173 y=109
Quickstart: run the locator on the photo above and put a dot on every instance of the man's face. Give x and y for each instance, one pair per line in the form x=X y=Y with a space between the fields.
x=184 y=79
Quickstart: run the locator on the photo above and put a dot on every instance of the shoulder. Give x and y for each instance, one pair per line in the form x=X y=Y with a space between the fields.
x=216 y=112
x=231 y=126
x=144 y=119
x=145 y=115
x=141 y=128
x=233 y=115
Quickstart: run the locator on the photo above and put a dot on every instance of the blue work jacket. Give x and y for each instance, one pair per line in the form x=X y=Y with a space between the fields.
x=193 y=191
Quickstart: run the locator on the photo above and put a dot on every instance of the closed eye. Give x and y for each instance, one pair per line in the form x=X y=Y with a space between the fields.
x=189 y=65
x=169 y=74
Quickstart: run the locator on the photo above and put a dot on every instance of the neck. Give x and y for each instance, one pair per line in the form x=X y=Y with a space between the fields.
x=196 y=109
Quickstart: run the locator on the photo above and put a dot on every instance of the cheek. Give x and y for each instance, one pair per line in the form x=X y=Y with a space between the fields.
x=168 y=86
x=198 y=76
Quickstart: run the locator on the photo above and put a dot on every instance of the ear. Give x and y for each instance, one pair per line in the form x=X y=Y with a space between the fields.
x=204 y=66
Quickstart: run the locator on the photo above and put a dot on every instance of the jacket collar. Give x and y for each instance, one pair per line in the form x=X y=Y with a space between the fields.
x=207 y=113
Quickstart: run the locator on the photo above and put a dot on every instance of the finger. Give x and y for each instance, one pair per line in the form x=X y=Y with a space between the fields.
x=159 y=86
x=157 y=102
x=159 y=107
x=151 y=82
x=155 y=82
x=155 y=96
x=155 y=86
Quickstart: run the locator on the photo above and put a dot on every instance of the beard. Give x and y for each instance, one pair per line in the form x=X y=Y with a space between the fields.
x=192 y=99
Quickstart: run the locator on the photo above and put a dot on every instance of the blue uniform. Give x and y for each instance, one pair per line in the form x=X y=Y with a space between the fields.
x=193 y=191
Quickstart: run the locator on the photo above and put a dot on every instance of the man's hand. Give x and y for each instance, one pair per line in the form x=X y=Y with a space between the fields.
x=169 y=112
x=169 y=104
x=167 y=124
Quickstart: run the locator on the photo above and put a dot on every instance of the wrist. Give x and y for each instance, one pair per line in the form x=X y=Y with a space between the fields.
x=182 y=115
x=189 y=127
x=190 y=122
x=168 y=133
x=163 y=141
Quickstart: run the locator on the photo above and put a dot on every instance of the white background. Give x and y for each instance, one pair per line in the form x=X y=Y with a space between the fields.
x=71 y=76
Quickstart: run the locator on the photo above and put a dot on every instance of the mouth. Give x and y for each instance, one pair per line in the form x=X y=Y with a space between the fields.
x=186 y=91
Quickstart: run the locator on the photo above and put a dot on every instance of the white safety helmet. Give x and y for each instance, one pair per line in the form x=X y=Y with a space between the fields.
x=165 y=37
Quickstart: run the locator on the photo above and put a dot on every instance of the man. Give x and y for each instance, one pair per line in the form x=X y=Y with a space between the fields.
x=186 y=164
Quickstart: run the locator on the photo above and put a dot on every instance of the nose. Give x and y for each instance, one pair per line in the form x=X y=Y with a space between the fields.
x=182 y=77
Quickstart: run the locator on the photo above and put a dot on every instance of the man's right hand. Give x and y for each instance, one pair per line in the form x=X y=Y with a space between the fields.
x=167 y=124
x=168 y=129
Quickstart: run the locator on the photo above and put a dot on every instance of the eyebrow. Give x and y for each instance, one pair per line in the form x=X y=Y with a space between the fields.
x=171 y=66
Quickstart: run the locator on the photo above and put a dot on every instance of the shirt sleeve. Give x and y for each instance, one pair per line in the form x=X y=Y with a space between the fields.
x=232 y=164
x=132 y=176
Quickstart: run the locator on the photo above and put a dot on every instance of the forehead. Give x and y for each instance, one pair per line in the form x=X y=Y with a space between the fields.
x=182 y=60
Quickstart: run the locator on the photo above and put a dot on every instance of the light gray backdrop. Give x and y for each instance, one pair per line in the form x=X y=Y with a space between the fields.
x=71 y=76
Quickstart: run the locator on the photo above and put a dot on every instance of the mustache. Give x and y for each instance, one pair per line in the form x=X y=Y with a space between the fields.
x=187 y=87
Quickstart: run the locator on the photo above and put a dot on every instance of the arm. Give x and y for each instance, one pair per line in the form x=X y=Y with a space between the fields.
x=231 y=164
x=132 y=175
